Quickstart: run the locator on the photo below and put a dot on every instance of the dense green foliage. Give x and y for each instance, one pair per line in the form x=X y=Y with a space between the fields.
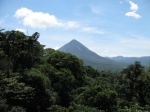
x=34 y=79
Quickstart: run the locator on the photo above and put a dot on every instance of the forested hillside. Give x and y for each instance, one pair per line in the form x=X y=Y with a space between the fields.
x=34 y=79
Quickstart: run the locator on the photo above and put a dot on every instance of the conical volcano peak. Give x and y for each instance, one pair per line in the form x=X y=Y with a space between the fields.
x=74 y=41
x=73 y=46
x=89 y=57
x=78 y=49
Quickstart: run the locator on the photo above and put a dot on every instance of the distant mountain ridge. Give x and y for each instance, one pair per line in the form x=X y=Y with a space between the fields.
x=89 y=57
x=145 y=60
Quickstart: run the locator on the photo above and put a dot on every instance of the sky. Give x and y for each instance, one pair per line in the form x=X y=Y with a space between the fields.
x=107 y=27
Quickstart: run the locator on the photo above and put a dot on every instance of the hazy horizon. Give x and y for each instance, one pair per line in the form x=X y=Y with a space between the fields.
x=100 y=55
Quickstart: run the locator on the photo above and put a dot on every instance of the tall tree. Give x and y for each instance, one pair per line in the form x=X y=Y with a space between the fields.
x=6 y=45
x=136 y=87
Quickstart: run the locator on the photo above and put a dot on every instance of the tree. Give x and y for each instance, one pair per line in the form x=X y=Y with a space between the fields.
x=6 y=45
x=137 y=82
x=48 y=51
x=18 y=51
x=28 y=53
x=62 y=60
x=98 y=95
x=42 y=90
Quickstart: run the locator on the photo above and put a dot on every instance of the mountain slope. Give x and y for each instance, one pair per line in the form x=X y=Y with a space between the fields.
x=145 y=60
x=89 y=57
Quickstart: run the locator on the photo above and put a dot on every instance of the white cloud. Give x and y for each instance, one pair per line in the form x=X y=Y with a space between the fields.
x=19 y=29
x=72 y=24
x=133 y=8
x=133 y=14
x=56 y=48
x=96 y=10
x=41 y=20
x=23 y=12
x=93 y=30
x=120 y=2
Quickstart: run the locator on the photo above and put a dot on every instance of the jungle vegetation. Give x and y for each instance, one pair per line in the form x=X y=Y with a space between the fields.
x=34 y=79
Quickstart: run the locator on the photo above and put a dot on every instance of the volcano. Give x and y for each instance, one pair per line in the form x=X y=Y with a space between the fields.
x=89 y=57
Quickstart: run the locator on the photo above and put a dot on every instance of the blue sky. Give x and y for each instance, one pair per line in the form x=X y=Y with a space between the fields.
x=107 y=27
